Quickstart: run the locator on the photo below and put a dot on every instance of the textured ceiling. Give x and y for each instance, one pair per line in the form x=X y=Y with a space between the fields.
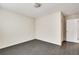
x=28 y=9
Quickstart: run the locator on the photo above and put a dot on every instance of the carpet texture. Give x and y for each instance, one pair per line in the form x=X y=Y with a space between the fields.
x=37 y=47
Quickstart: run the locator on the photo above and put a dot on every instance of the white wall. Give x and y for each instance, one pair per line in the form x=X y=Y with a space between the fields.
x=15 y=28
x=63 y=27
x=49 y=29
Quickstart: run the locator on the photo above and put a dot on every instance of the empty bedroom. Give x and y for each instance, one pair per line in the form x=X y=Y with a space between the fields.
x=39 y=28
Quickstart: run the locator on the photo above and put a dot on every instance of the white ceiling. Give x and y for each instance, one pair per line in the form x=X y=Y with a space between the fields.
x=28 y=9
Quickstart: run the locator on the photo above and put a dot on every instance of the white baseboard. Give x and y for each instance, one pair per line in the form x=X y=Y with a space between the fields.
x=14 y=44
x=73 y=41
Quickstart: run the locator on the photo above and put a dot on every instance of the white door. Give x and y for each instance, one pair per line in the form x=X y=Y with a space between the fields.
x=71 y=30
x=78 y=30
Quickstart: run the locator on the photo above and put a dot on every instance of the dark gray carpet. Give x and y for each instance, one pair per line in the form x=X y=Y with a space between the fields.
x=37 y=47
